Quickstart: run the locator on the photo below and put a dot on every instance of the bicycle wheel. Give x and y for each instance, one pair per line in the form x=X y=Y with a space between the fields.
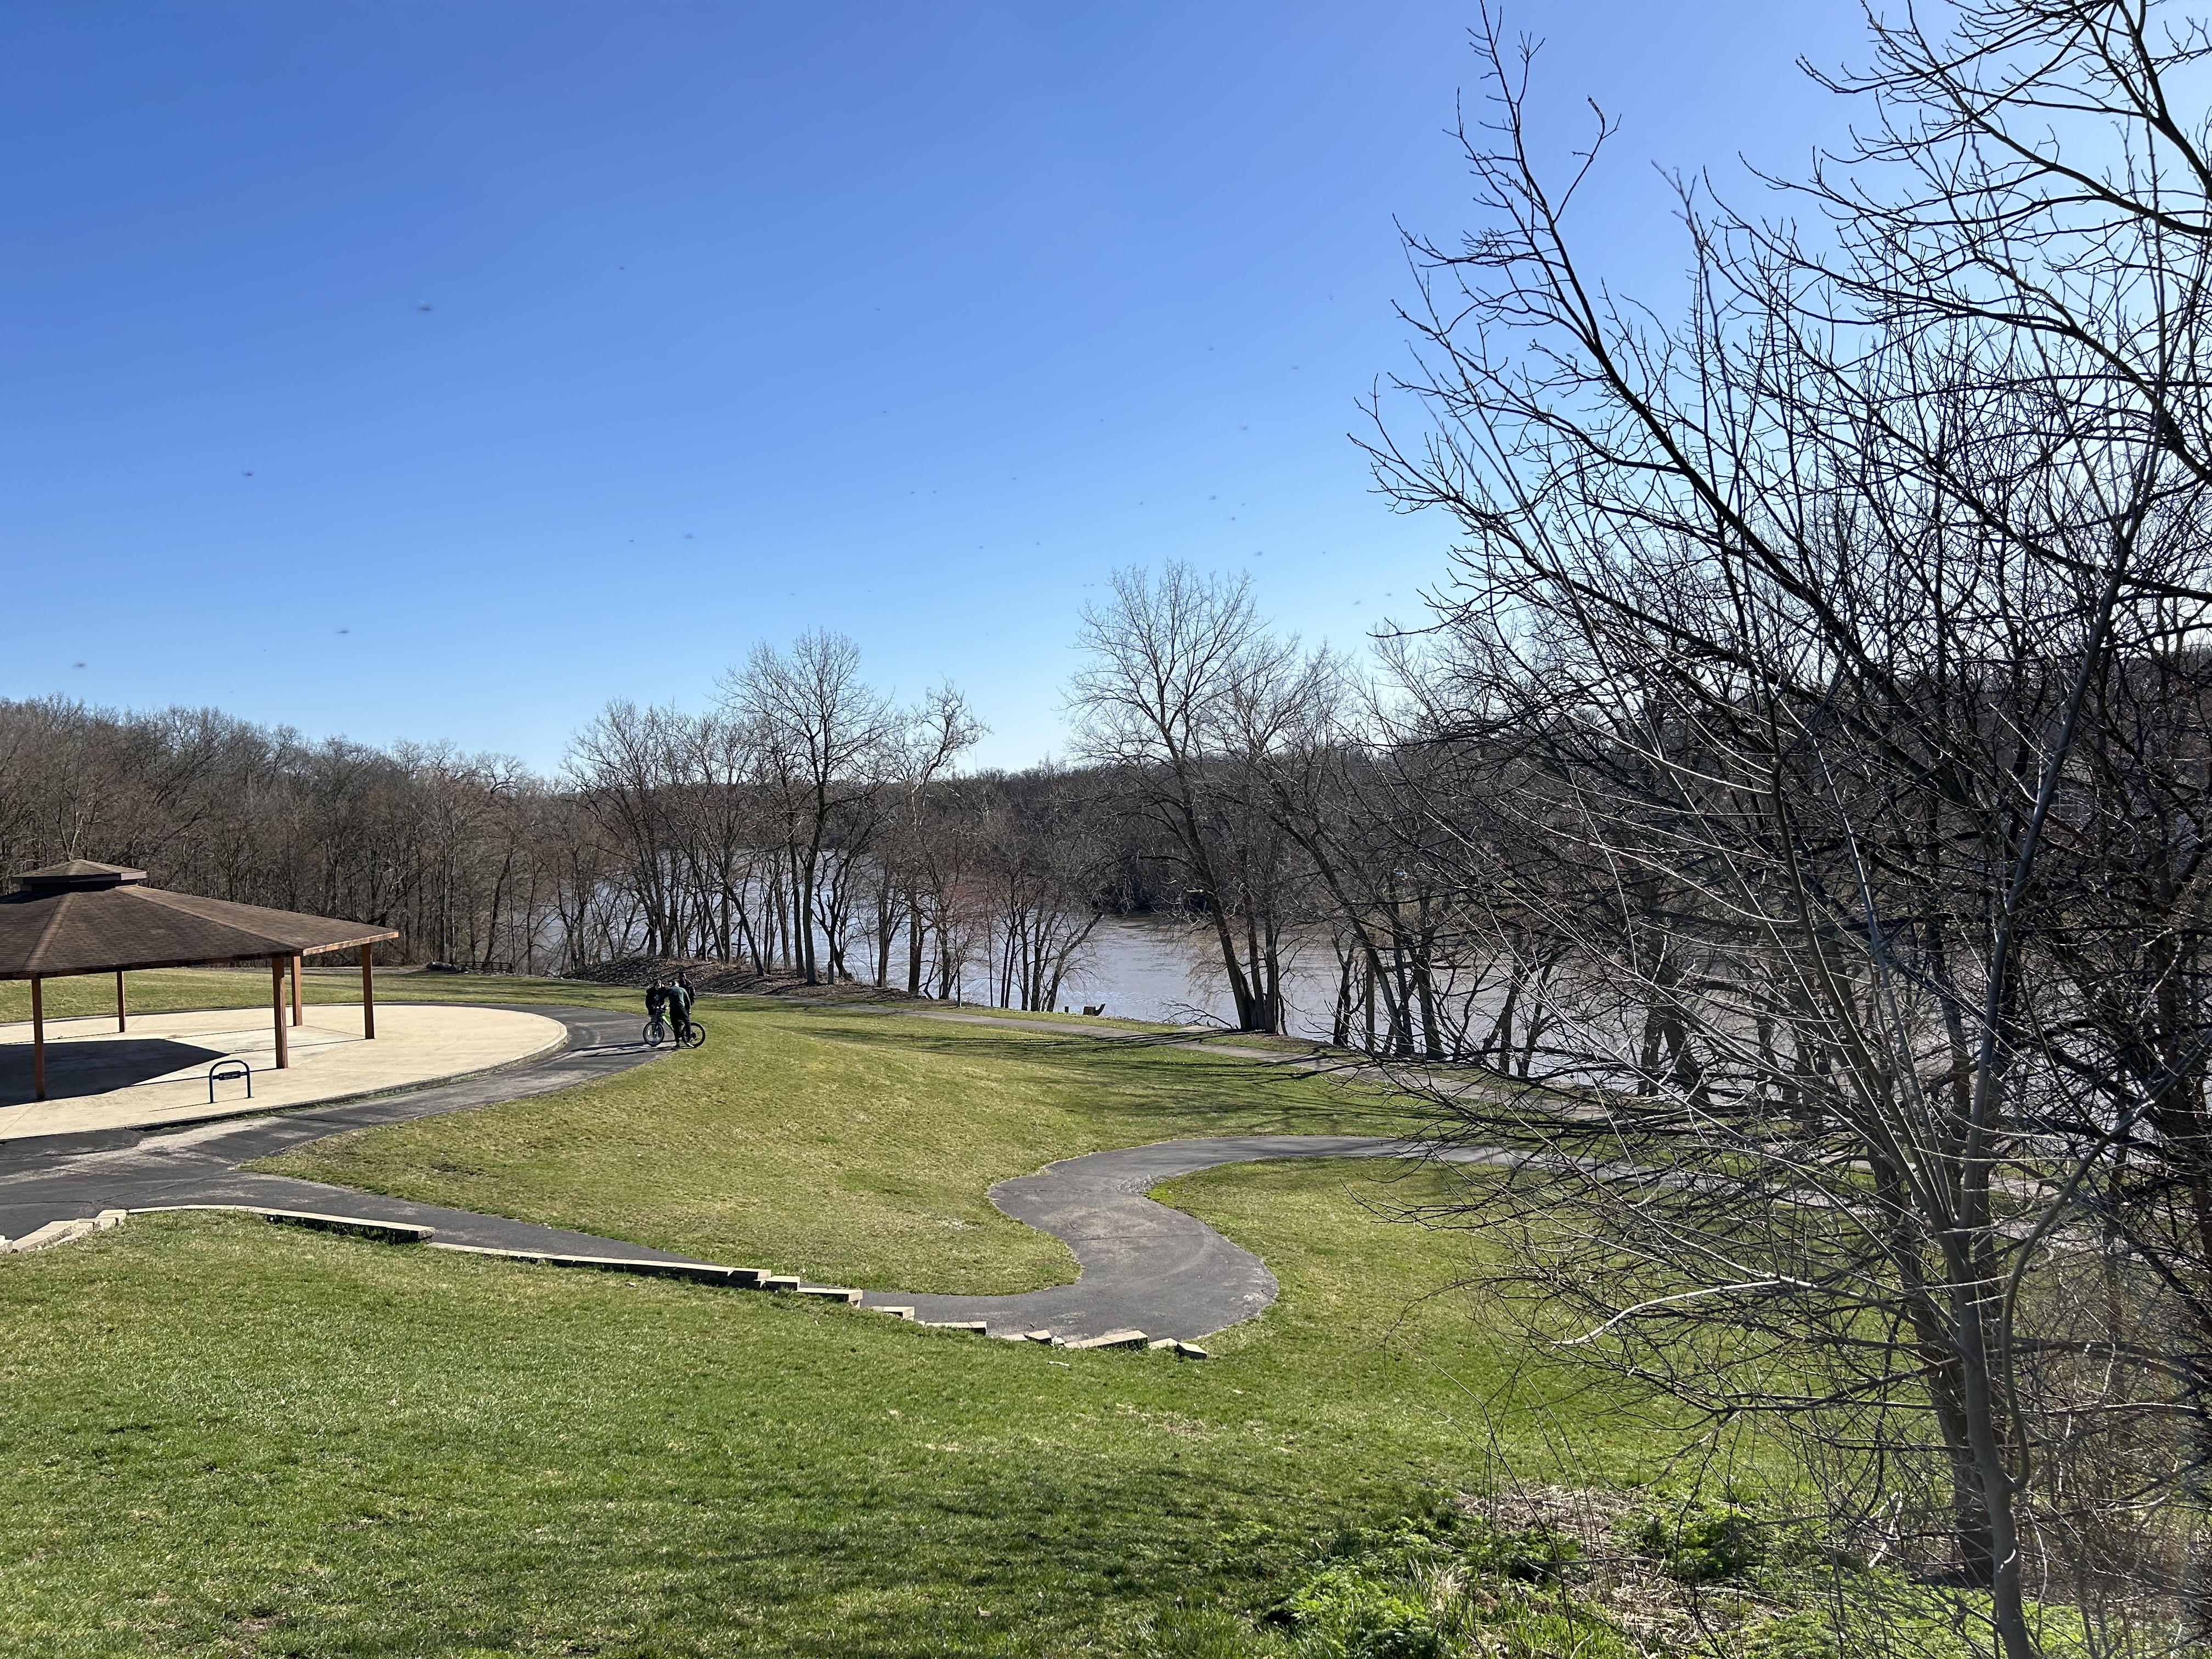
x=654 y=1034
x=695 y=1035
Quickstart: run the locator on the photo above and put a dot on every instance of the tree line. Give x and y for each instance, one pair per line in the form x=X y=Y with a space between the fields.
x=808 y=825
x=805 y=826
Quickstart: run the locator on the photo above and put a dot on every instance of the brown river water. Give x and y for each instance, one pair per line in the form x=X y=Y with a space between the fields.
x=1171 y=971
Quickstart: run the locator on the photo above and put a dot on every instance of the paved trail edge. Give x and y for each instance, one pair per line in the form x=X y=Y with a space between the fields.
x=1143 y=1268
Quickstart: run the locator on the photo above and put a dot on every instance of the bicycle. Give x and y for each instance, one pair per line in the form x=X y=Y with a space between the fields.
x=688 y=1033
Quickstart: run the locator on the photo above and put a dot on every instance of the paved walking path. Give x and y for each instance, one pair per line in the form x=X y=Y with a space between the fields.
x=59 y=1177
x=1143 y=1266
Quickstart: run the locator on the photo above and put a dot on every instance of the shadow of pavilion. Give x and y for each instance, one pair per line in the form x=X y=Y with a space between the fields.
x=79 y=1068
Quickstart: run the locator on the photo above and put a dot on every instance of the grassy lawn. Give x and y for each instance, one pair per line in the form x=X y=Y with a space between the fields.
x=851 y=1145
x=226 y=1438
x=1071 y=1016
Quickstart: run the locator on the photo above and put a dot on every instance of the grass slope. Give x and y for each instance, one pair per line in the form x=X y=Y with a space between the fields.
x=226 y=1438
x=850 y=1146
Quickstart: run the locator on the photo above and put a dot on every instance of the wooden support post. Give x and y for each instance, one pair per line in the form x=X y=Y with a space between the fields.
x=38 y=1038
x=369 y=992
x=296 y=961
x=122 y=1008
x=276 y=997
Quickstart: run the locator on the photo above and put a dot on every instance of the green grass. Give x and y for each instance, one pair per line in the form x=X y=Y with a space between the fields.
x=227 y=1439
x=1074 y=1016
x=158 y=990
x=851 y=1145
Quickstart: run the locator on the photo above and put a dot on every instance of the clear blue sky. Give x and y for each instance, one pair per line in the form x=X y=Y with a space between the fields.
x=442 y=369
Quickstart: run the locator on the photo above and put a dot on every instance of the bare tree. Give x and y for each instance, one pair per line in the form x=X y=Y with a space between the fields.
x=827 y=747
x=1802 y=646
x=1172 y=660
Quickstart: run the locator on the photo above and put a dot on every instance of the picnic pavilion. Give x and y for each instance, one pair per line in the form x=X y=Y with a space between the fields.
x=80 y=917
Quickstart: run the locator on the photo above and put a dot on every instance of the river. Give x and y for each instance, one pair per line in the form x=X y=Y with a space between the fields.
x=1171 y=971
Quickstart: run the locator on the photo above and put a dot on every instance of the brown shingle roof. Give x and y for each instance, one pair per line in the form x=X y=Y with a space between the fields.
x=80 y=872
x=82 y=918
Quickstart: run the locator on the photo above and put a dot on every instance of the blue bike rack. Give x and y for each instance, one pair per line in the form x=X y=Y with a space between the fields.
x=219 y=1072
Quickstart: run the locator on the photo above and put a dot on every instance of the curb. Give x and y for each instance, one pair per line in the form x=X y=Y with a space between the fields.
x=63 y=1232
x=696 y=1273
x=387 y=1232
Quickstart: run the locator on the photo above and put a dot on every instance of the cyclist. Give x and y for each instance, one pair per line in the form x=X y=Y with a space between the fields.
x=679 y=1005
x=656 y=1001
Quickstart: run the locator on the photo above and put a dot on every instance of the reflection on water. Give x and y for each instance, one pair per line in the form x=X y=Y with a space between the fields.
x=1171 y=971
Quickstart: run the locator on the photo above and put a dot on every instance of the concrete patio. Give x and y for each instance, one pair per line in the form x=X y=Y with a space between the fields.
x=155 y=1074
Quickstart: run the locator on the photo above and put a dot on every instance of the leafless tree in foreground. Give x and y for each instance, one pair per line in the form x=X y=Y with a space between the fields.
x=1833 y=667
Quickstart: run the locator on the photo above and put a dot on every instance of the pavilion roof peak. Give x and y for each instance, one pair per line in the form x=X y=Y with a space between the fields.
x=86 y=918
x=78 y=872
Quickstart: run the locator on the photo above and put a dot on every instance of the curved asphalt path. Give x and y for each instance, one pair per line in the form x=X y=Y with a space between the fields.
x=1142 y=1265
x=58 y=1177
